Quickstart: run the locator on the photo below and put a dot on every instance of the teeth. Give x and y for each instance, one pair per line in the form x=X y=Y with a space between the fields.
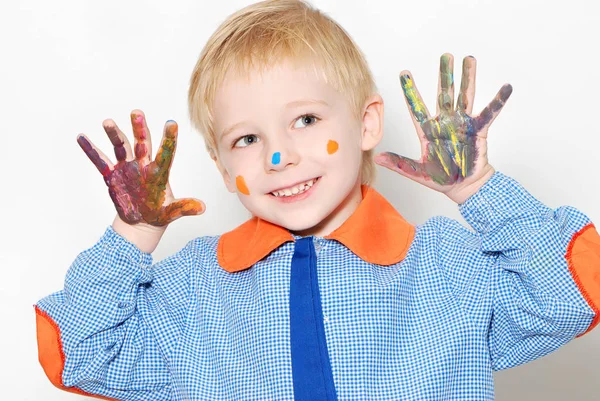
x=297 y=189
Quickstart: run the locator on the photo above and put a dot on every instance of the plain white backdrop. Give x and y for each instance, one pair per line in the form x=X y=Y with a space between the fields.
x=66 y=65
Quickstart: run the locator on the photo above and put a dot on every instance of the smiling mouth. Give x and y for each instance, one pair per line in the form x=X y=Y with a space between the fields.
x=296 y=189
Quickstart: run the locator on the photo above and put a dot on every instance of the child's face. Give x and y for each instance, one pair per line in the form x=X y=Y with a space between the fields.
x=286 y=127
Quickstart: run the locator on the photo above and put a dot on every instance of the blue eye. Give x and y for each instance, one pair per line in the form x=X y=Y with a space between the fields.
x=246 y=140
x=307 y=119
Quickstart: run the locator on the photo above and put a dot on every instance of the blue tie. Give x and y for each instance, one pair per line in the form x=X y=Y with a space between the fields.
x=311 y=370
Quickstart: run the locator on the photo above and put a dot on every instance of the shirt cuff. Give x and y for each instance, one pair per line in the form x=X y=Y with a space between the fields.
x=114 y=240
x=498 y=201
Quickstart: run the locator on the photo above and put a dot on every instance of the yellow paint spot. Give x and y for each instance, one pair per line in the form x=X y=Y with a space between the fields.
x=438 y=129
x=332 y=147
x=241 y=185
x=441 y=158
x=454 y=140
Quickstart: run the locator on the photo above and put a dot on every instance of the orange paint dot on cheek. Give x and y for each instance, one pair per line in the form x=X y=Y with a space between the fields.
x=241 y=185
x=332 y=147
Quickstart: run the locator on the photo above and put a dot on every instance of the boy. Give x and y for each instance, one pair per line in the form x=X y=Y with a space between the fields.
x=327 y=293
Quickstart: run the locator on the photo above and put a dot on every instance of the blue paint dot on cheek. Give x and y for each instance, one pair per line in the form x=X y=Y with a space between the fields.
x=276 y=158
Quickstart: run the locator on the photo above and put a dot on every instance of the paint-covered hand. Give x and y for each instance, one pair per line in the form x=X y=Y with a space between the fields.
x=453 y=143
x=138 y=186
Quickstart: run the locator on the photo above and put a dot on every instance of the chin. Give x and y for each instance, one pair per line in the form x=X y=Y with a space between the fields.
x=305 y=224
x=298 y=223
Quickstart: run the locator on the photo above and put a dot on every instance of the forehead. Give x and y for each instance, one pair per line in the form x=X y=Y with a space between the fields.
x=272 y=88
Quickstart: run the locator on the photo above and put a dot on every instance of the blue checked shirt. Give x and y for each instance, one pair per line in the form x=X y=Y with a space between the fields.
x=434 y=326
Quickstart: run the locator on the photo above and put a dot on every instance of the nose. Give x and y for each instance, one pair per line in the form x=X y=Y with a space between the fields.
x=280 y=159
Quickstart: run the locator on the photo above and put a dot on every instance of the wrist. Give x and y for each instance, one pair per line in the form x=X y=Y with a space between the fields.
x=461 y=193
x=144 y=236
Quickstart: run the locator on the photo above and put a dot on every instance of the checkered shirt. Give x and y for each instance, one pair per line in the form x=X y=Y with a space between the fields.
x=435 y=326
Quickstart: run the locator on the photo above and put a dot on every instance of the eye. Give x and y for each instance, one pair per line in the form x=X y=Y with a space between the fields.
x=306 y=119
x=244 y=141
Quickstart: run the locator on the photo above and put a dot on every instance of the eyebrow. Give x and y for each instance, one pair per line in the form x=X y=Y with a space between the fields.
x=295 y=103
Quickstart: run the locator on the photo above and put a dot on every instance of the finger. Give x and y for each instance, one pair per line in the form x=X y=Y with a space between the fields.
x=403 y=165
x=418 y=109
x=118 y=139
x=143 y=143
x=445 y=101
x=491 y=111
x=166 y=152
x=467 y=85
x=102 y=163
x=182 y=207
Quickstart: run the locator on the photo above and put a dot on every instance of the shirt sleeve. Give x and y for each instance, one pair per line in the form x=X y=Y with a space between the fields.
x=529 y=276
x=109 y=332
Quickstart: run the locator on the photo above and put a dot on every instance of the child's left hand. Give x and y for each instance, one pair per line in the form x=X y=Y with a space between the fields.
x=453 y=143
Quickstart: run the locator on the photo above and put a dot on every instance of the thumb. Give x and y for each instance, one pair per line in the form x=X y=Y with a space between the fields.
x=403 y=165
x=183 y=207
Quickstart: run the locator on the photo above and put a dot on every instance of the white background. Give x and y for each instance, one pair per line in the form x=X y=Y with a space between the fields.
x=68 y=64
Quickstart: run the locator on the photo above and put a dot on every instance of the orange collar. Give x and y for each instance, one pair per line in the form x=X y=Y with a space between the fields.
x=375 y=232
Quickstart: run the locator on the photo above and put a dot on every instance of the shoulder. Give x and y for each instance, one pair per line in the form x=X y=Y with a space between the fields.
x=442 y=231
x=201 y=245
x=198 y=254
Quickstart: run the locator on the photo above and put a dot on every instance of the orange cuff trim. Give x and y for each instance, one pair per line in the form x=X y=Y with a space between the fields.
x=50 y=352
x=583 y=257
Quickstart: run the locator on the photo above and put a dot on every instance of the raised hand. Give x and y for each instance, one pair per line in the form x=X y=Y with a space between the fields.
x=453 y=143
x=138 y=186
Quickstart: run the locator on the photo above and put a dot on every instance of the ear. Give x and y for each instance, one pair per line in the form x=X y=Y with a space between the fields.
x=372 y=122
x=229 y=184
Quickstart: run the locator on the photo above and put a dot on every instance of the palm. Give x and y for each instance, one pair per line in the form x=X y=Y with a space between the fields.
x=139 y=187
x=453 y=143
x=138 y=191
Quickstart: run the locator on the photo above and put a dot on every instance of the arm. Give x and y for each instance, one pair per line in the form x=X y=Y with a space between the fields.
x=109 y=332
x=529 y=275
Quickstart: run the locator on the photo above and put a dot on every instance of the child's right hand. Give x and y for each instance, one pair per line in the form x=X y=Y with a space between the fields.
x=139 y=187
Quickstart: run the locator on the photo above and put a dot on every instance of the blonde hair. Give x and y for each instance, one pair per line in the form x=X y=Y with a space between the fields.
x=262 y=34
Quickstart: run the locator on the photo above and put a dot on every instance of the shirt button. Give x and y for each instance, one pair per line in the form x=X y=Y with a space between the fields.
x=317 y=247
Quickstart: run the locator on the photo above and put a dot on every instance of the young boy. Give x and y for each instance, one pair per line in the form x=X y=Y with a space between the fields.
x=326 y=293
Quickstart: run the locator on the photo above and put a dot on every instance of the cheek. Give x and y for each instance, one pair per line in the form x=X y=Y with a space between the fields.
x=242 y=168
x=347 y=156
